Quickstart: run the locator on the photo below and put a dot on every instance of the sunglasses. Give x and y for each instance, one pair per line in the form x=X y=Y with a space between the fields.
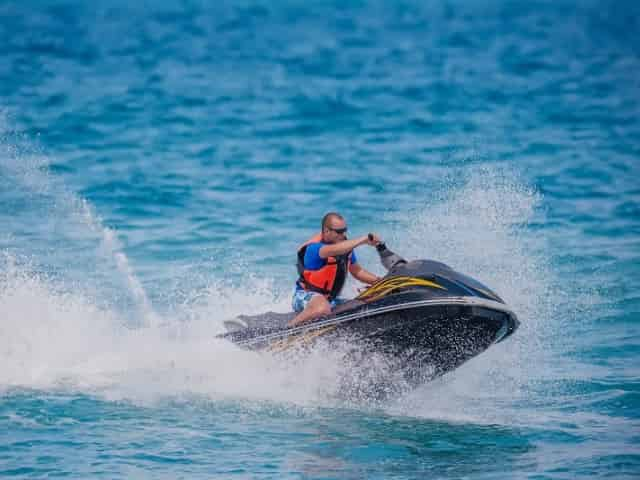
x=339 y=231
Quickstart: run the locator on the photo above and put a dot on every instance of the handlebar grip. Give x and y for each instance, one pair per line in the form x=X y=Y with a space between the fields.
x=370 y=236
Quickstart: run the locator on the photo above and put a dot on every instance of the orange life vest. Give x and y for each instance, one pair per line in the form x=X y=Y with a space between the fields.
x=327 y=280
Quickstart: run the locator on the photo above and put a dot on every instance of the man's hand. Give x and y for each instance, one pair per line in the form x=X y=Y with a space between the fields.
x=373 y=239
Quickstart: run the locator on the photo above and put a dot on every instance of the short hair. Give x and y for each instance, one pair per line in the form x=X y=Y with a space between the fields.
x=329 y=216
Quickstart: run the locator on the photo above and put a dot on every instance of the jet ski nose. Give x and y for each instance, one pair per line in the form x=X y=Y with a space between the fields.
x=511 y=325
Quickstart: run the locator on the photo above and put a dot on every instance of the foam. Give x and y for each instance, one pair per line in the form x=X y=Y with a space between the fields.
x=64 y=216
x=52 y=339
x=54 y=335
x=480 y=228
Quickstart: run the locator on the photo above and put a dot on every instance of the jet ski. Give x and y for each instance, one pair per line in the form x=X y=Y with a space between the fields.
x=423 y=317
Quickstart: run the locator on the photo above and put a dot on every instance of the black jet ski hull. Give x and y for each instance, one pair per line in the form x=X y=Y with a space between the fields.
x=422 y=319
x=420 y=339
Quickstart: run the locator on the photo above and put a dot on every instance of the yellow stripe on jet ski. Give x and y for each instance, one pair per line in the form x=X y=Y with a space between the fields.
x=304 y=338
x=382 y=288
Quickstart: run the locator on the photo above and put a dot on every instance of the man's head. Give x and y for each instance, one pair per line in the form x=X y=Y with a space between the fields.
x=334 y=228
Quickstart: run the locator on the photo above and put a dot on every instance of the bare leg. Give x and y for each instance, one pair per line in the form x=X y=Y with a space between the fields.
x=318 y=306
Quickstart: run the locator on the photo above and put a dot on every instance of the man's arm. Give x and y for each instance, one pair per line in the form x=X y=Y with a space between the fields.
x=363 y=275
x=340 y=248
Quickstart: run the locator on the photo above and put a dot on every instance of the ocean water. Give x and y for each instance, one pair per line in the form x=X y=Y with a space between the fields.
x=161 y=161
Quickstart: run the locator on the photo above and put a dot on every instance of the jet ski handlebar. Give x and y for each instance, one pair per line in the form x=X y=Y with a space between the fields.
x=387 y=257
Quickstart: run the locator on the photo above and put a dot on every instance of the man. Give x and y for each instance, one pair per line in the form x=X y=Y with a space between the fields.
x=323 y=263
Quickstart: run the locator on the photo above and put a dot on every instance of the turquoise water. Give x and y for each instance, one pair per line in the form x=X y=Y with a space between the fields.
x=160 y=163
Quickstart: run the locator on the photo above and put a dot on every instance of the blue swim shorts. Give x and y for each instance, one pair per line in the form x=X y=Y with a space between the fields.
x=302 y=297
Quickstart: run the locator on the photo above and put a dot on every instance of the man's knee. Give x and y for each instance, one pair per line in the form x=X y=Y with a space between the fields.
x=325 y=309
x=320 y=306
